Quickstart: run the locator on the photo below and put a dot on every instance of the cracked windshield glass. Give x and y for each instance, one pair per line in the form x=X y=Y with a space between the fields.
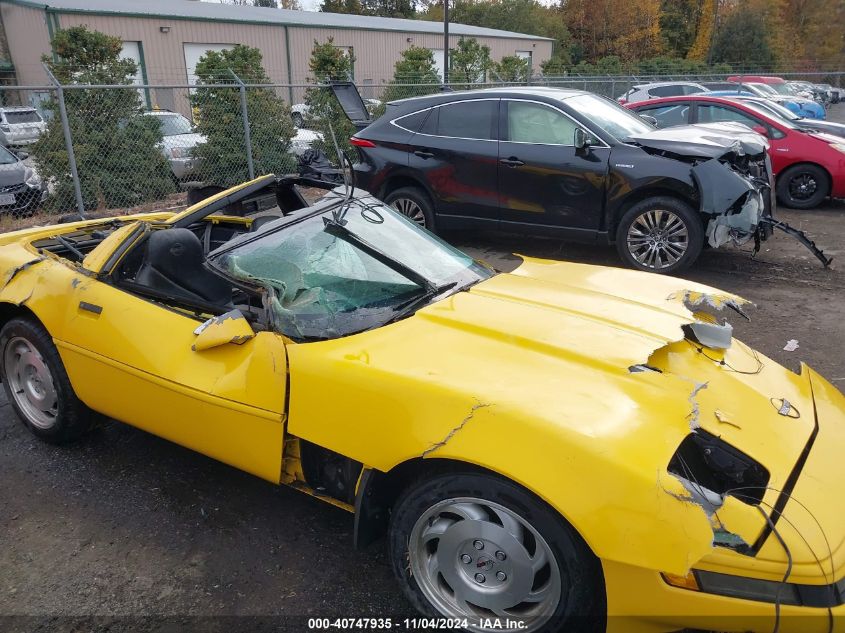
x=339 y=272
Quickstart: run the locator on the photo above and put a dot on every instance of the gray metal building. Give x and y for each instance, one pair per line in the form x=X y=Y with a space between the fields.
x=167 y=37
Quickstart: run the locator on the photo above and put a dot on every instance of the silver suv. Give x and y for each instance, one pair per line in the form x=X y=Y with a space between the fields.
x=20 y=125
x=644 y=92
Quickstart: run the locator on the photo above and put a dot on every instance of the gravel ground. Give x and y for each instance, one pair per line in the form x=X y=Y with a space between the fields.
x=125 y=525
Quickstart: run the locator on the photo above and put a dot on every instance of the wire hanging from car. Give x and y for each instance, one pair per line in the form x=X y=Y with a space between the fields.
x=722 y=362
x=809 y=547
x=788 y=566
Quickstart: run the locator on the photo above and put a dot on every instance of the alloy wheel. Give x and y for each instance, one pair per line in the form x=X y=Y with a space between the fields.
x=658 y=239
x=409 y=208
x=803 y=187
x=31 y=383
x=475 y=559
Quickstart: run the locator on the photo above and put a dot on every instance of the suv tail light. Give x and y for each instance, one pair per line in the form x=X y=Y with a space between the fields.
x=361 y=142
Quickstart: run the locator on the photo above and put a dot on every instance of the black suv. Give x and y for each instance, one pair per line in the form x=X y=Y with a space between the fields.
x=567 y=164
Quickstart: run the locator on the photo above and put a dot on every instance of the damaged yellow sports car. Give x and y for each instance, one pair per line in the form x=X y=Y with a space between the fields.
x=564 y=447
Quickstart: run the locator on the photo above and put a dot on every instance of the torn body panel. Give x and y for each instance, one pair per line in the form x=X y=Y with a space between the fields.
x=732 y=202
x=548 y=348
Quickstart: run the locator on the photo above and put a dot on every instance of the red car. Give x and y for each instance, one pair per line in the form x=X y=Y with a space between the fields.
x=809 y=166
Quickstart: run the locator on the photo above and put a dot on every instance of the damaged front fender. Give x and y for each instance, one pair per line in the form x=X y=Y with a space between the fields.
x=733 y=203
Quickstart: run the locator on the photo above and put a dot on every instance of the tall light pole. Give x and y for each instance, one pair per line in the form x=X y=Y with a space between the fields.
x=445 y=42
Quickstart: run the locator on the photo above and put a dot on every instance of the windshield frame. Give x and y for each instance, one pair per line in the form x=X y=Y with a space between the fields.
x=429 y=290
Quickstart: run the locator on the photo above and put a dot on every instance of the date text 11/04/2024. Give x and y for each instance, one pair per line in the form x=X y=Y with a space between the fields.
x=409 y=624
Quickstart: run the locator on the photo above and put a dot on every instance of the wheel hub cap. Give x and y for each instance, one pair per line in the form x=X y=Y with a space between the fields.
x=410 y=209
x=478 y=560
x=31 y=383
x=657 y=239
x=803 y=187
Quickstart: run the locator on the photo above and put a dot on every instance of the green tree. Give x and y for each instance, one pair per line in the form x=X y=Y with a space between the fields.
x=414 y=75
x=329 y=63
x=742 y=41
x=469 y=62
x=342 y=6
x=522 y=16
x=223 y=158
x=117 y=148
x=555 y=66
x=512 y=69
x=389 y=8
x=678 y=21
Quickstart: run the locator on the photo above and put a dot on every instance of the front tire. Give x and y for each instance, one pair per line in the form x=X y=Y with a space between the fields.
x=298 y=121
x=660 y=235
x=414 y=204
x=37 y=385
x=803 y=187
x=476 y=547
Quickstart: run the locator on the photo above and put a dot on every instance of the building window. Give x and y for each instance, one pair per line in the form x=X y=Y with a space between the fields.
x=530 y=57
x=135 y=52
x=351 y=54
x=193 y=53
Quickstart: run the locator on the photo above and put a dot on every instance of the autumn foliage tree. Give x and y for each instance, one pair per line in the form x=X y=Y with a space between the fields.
x=629 y=30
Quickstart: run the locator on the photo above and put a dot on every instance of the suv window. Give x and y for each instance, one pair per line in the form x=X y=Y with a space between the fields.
x=413 y=122
x=666 y=91
x=468 y=119
x=22 y=116
x=668 y=115
x=536 y=123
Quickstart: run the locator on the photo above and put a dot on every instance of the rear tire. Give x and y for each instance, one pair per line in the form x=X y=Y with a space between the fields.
x=37 y=385
x=472 y=546
x=660 y=235
x=413 y=203
x=803 y=187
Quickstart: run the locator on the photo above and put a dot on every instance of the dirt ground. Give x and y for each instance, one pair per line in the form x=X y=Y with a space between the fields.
x=125 y=525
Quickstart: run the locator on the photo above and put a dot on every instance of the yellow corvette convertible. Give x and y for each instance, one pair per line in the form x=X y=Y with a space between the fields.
x=564 y=447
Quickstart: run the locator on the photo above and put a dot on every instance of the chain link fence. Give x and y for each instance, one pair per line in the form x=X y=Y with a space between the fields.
x=83 y=148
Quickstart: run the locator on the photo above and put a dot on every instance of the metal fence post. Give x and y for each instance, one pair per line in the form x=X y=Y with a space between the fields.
x=77 y=187
x=245 y=116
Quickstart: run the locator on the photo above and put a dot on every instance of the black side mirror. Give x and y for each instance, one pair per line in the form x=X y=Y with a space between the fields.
x=649 y=119
x=581 y=141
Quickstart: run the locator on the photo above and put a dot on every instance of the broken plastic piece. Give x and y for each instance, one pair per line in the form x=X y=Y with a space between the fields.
x=231 y=327
x=712 y=335
x=694 y=301
x=799 y=235
x=723 y=538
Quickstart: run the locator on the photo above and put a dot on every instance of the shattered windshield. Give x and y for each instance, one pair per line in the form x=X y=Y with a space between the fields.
x=325 y=279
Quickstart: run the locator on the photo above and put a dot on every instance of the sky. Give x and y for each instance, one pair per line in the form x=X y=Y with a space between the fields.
x=307 y=5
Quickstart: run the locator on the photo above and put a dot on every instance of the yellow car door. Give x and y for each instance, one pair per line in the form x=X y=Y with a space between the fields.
x=137 y=361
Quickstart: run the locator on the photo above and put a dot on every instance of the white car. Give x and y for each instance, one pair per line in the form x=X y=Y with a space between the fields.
x=643 y=92
x=20 y=125
x=178 y=142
